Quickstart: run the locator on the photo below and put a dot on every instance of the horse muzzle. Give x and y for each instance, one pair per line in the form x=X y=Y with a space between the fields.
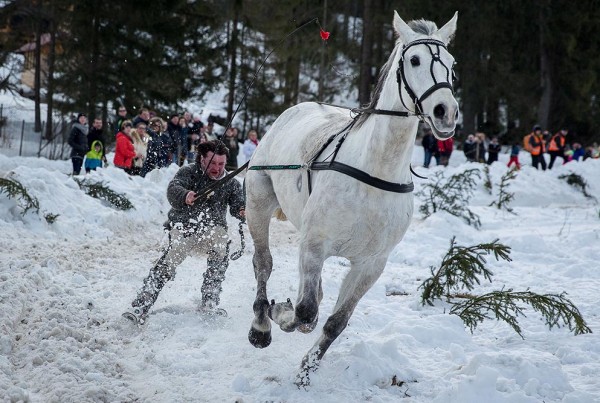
x=443 y=119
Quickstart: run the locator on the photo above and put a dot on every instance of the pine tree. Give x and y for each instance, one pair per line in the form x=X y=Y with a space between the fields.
x=147 y=58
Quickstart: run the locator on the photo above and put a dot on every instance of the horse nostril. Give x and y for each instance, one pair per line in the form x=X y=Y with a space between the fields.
x=439 y=111
x=456 y=115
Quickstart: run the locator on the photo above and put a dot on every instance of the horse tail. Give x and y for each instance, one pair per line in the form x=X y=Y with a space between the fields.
x=280 y=215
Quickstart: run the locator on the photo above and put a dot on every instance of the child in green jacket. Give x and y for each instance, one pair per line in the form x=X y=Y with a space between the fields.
x=93 y=158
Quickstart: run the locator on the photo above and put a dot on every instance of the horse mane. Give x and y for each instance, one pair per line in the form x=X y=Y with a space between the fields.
x=421 y=26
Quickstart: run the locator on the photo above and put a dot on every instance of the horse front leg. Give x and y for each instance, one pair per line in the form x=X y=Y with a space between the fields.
x=310 y=293
x=358 y=281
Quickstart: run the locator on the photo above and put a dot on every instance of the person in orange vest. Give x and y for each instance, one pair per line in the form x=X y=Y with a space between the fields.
x=526 y=145
x=537 y=146
x=556 y=148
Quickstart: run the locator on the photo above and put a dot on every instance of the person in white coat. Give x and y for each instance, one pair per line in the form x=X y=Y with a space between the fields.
x=250 y=145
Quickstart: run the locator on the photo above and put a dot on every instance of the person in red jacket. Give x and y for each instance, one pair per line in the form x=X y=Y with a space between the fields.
x=445 y=148
x=124 y=152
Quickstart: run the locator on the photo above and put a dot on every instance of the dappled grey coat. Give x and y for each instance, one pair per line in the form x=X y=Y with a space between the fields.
x=202 y=215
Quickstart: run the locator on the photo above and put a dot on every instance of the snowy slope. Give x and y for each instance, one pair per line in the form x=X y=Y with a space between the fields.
x=64 y=285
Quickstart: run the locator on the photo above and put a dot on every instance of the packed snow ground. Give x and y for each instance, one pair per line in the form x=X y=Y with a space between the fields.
x=63 y=287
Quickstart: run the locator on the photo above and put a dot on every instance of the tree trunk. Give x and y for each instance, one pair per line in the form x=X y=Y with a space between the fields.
x=92 y=66
x=545 y=71
x=232 y=59
x=378 y=38
x=364 y=87
x=49 y=132
x=38 y=75
x=321 y=90
x=292 y=76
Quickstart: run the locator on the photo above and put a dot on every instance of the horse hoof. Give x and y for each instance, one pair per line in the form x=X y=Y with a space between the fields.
x=276 y=309
x=308 y=327
x=259 y=339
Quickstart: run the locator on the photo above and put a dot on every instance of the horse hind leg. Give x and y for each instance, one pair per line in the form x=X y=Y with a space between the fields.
x=260 y=204
x=358 y=281
x=260 y=330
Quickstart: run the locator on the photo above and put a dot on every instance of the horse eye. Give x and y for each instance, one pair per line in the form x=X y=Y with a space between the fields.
x=415 y=61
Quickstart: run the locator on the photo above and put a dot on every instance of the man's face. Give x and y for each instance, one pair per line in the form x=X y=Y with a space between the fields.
x=145 y=115
x=98 y=123
x=122 y=111
x=213 y=164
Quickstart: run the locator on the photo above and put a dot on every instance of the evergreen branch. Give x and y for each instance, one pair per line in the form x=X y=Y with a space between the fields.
x=577 y=181
x=504 y=305
x=459 y=269
x=504 y=197
x=14 y=189
x=100 y=191
x=487 y=184
x=51 y=218
x=451 y=195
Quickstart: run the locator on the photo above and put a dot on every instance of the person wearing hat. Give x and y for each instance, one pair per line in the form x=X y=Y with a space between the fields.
x=526 y=145
x=78 y=142
x=159 y=146
x=556 y=147
x=537 y=147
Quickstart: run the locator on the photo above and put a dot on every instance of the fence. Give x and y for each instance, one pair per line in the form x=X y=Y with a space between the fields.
x=19 y=138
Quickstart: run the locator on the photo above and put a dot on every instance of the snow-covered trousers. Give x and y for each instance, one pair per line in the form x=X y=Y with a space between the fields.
x=213 y=243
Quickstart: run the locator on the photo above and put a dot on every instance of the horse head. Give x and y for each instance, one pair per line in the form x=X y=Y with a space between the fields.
x=425 y=73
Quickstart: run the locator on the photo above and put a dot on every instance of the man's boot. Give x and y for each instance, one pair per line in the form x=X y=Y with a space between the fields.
x=211 y=287
x=153 y=284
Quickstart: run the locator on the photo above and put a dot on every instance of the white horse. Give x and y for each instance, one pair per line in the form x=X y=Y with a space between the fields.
x=356 y=209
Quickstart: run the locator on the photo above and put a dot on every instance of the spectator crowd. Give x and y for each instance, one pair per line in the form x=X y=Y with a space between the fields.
x=145 y=142
x=538 y=143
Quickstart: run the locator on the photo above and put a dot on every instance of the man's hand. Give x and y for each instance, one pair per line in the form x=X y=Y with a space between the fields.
x=190 y=198
x=243 y=213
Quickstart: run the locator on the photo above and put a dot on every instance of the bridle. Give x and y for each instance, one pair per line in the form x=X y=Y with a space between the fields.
x=402 y=82
x=435 y=58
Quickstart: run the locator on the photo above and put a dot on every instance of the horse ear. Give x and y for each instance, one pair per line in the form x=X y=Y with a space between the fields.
x=447 y=31
x=402 y=29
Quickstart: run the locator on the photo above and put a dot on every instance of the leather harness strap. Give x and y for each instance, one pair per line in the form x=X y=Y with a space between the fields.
x=361 y=176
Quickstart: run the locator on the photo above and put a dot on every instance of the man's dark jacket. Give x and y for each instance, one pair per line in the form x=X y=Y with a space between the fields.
x=205 y=214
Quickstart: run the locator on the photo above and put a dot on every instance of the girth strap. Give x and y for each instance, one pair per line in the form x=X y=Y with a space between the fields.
x=361 y=176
